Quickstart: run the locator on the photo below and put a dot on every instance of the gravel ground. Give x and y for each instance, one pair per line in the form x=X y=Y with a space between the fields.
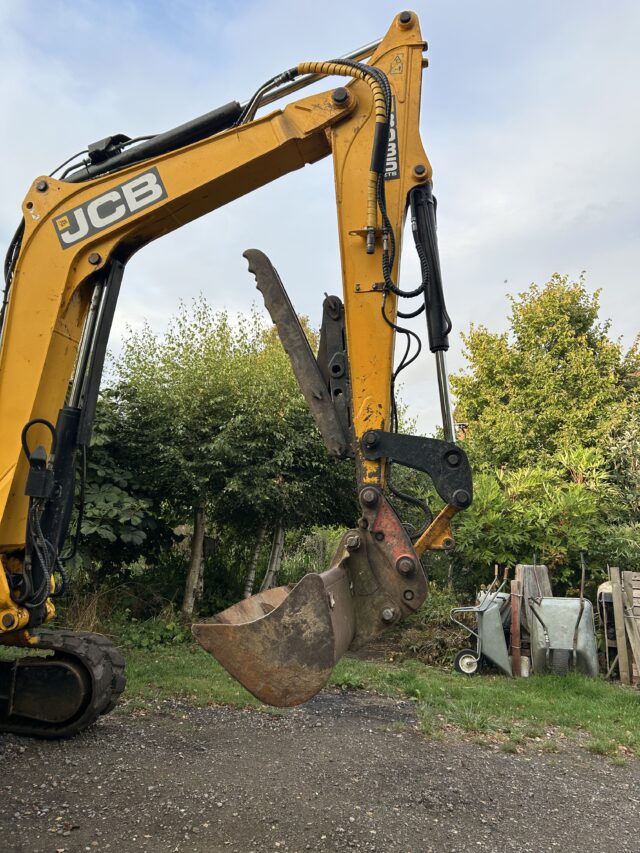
x=345 y=772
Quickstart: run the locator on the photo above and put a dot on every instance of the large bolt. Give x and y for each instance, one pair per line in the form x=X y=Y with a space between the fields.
x=420 y=172
x=369 y=497
x=8 y=620
x=447 y=543
x=408 y=595
x=388 y=614
x=94 y=259
x=340 y=96
x=405 y=18
x=42 y=186
x=452 y=458
x=405 y=565
x=461 y=498
x=370 y=438
x=352 y=542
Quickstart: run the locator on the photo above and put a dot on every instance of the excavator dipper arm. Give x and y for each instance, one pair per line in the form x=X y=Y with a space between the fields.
x=63 y=277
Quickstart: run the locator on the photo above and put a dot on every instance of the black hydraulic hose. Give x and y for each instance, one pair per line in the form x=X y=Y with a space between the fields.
x=407 y=315
x=191 y=131
x=27 y=427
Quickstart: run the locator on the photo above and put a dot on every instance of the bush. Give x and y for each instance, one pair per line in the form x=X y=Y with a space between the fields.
x=306 y=552
x=430 y=636
x=164 y=630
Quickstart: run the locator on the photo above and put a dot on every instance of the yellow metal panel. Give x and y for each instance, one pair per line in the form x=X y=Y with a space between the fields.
x=370 y=339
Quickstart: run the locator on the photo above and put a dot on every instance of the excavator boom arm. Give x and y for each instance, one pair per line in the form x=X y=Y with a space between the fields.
x=65 y=272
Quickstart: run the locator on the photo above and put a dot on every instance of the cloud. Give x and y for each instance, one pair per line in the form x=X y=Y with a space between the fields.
x=528 y=117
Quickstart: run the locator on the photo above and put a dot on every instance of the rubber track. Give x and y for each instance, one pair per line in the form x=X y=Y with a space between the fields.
x=105 y=665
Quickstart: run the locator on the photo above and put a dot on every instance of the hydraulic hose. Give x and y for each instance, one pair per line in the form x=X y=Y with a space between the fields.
x=381 y=98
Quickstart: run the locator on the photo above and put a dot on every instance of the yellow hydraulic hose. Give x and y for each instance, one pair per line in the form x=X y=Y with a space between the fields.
x=380 y=106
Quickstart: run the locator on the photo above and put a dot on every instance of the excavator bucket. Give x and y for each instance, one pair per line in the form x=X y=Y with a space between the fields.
x=282 y=644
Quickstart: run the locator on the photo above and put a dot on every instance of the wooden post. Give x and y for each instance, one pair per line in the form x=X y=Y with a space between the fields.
x=516 y=598
x=633 y=630
x=621 y=638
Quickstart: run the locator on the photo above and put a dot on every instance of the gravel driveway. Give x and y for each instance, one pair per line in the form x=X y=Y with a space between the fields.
x=345 y=772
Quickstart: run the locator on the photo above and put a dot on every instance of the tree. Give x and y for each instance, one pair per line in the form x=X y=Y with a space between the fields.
x=276 y=465
x=551 y=431
x=553 y=512
x=212 y=426
x=175 y=394
x=121 y=519
x=556 y=379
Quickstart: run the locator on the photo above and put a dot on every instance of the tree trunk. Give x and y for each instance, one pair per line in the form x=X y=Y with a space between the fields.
x=275 y=558
x=253 y=565
x=196 y=562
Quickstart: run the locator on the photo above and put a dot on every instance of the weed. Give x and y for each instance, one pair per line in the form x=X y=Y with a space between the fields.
x=601 y=747
x=470 y=716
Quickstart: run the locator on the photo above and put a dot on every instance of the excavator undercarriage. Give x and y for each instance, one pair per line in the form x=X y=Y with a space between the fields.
x=63 y=274
x=59 y=694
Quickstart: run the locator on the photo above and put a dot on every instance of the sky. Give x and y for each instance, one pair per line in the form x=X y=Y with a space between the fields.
x=529 y=116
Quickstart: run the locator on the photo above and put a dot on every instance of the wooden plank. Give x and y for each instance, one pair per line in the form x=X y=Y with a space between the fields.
x=610 y=670
x=516 y=599
x=633 y=637
x=618 y=612
x=635 y=586
x=633 y=632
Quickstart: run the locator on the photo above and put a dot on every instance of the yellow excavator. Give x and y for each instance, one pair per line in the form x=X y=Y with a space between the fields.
x=63 y=273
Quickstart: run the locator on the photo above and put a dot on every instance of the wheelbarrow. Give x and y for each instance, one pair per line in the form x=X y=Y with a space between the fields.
x=563 y=637
x=492 y=619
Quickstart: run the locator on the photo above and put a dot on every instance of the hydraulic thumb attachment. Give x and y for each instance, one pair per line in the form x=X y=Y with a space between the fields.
x=303 y=362
x=282 y=644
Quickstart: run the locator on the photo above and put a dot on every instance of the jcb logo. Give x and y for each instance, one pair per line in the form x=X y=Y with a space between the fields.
x=117 y=204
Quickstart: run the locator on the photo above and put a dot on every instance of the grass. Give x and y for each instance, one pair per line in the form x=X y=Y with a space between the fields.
x=544 y=710
x=183 y=672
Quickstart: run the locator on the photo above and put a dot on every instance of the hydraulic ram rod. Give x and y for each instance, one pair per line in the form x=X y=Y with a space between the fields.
x=307 y=79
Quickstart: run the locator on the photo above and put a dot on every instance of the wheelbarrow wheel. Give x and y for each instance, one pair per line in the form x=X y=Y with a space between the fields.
x=560 y=661
x=466 y=662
